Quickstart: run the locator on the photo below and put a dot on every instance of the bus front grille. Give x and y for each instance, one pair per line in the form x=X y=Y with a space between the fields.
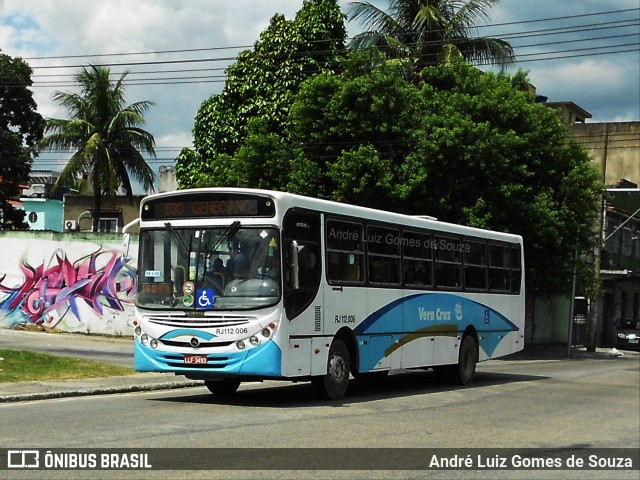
x=200 y=322
x=173 y=343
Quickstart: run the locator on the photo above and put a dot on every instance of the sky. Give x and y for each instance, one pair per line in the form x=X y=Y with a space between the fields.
x=176 y=50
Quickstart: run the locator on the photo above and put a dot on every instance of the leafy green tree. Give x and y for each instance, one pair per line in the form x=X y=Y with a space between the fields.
x=351 y=133
x=428 y=32
x=20 y=127
x=466 y=147
x=106 y=135
x=260 y=86
x=491 y=157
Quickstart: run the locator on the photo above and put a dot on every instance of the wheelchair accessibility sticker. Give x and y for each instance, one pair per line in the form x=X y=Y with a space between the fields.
x=205 y=298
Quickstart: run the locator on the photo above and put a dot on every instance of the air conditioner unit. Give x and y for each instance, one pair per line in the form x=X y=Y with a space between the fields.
x=70 y=225
x=38 y=188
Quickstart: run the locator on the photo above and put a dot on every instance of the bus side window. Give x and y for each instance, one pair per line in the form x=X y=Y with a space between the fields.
x=499 y=268
x=345 y=251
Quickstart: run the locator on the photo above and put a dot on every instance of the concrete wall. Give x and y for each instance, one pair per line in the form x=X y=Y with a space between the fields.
x=614 y=147
x=551 y=321
x=75 y=282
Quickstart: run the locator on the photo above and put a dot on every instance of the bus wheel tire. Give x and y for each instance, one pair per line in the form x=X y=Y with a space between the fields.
x=226 y=386
x=334 y=383
x=467 y=361
x=463 y=372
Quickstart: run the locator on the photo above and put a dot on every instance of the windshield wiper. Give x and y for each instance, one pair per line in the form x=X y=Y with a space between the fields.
x=176 y=237
x=229 y=232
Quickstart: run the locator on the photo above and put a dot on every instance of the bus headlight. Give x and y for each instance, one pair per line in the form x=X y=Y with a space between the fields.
x=240 y=344
x=254 y=341
x=138 y=331
x=154 y=343
x=144 y=338
x=266 y=333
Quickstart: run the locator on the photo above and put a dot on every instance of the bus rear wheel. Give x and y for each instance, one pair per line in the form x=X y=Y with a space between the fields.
x=334 y=383
x=465 y=371
x=226 y=386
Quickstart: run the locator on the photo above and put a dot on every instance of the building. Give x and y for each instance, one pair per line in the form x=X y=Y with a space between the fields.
x=69 y=211
x=44 y=210
x=614 y=148
x=115 y=213
x=615 y=151
x=620 y=260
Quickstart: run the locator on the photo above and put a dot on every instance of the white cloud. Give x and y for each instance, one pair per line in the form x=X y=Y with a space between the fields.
x=581 y=76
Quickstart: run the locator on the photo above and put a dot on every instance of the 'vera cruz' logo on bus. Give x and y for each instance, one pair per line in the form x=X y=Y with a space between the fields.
x=439 y=315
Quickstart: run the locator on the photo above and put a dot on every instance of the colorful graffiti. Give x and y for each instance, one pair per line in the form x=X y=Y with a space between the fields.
x=48 y=293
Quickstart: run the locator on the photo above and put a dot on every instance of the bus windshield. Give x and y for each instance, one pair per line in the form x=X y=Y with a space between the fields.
x=221 y=268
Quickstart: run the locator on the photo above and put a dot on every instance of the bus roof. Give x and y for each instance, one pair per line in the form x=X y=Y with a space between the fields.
x=286 y=200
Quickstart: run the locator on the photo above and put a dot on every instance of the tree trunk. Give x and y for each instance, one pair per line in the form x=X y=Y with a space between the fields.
x=97 y=202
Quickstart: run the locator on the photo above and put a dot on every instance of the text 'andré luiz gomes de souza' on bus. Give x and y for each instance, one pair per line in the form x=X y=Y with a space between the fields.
x=395 y=240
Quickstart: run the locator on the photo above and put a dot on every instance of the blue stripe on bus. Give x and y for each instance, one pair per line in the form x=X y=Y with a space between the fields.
x=263 y=360
x=180 y=332
x=429 y=314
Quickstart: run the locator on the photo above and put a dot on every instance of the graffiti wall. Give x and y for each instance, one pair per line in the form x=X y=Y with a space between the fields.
x=73 y=282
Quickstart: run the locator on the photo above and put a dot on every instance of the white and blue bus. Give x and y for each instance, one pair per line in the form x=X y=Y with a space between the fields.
x=247 y=285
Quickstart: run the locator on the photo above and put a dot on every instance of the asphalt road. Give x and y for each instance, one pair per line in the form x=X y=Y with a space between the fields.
x=556 y=405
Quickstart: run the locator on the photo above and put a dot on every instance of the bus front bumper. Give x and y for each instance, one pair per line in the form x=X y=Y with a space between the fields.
x=263 y=360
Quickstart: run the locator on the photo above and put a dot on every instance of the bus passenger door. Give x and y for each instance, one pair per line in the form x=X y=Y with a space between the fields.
x=302 y=272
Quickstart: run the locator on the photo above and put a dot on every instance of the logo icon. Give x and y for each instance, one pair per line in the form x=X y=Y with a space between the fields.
x=188 y=288
x=23 y=459
x=205 y=298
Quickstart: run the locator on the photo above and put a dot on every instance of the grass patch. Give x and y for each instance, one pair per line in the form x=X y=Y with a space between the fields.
x=22 y=366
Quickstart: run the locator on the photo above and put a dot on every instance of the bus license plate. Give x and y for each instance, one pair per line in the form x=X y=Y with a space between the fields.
x=195 y=359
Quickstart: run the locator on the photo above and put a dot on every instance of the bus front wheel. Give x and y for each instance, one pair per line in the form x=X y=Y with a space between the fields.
x=226 y=386
x=334 y=383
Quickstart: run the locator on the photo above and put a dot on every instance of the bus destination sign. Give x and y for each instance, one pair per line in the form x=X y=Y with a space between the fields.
x=207 y=206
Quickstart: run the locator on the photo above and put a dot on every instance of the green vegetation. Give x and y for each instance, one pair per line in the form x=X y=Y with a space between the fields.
x=20 y=127
x=22 y=366
x=449 y=140
x=106 y=134
x=429 y=32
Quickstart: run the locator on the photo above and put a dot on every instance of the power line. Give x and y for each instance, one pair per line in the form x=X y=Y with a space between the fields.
x=163 y=79
x=239 y=47
x=564 y=29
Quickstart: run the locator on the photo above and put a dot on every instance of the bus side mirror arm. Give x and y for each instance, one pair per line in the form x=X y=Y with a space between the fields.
x=127 y=236
x=294 y=271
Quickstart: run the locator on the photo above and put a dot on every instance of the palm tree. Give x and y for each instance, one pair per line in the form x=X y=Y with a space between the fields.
x=428 y=32
x=105 y=135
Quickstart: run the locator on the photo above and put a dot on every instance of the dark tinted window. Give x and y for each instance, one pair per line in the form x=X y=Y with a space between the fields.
x=383 y=257
x=418 y=259
x=345 y=251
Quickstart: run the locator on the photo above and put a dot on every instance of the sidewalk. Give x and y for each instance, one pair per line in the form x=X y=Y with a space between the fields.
x=561 y=352
x=40 y=390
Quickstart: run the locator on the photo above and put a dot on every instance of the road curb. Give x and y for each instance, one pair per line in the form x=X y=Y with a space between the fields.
x=31 y=396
